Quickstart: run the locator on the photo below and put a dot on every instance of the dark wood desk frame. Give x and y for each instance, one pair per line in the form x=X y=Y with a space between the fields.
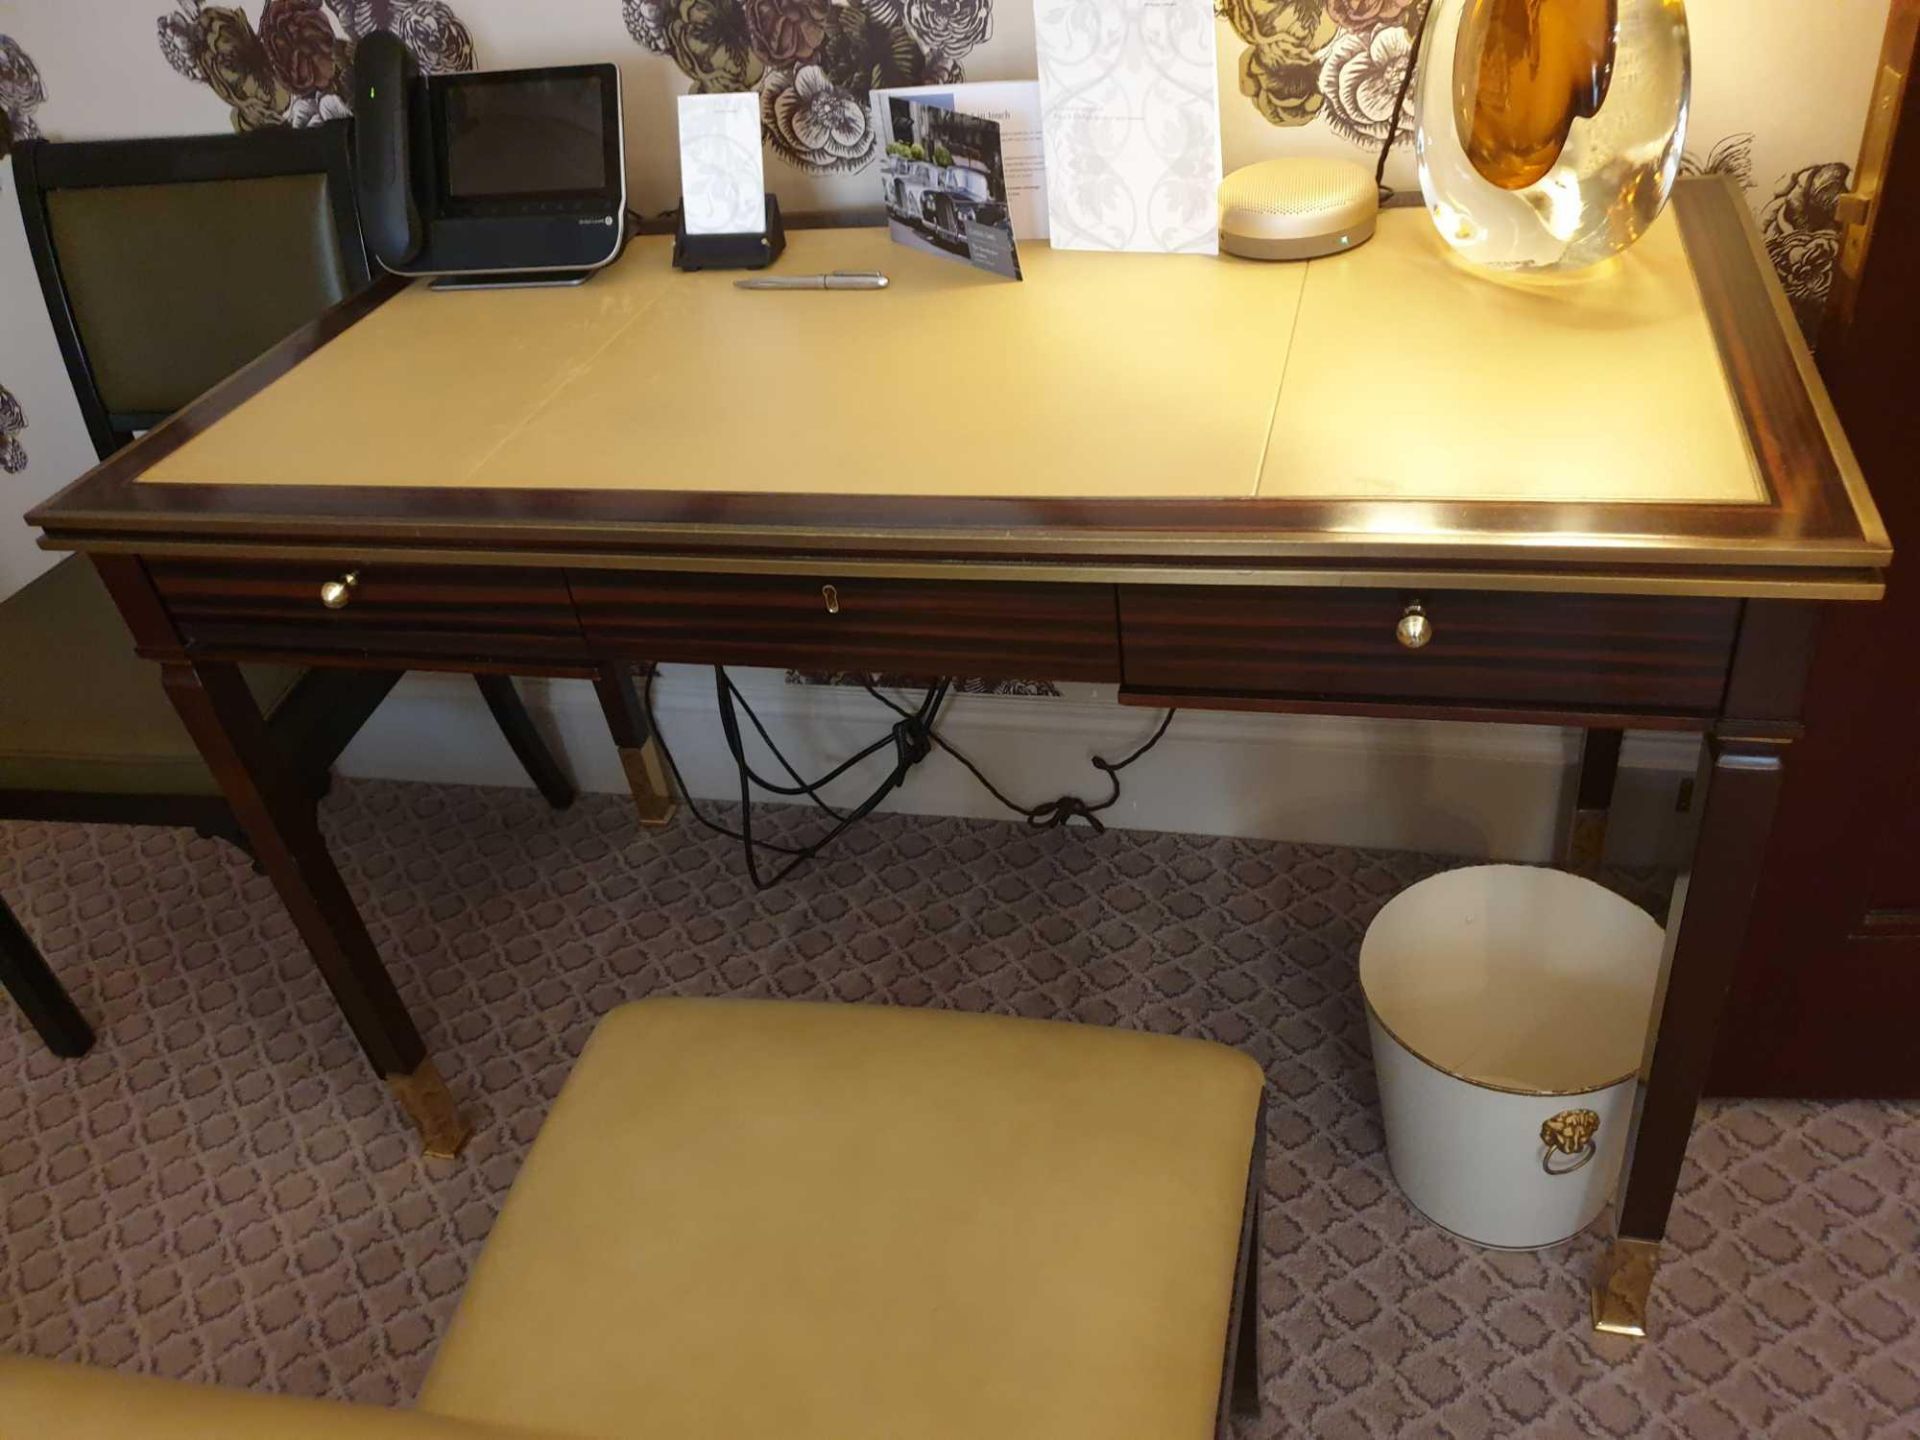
x=1605 y=616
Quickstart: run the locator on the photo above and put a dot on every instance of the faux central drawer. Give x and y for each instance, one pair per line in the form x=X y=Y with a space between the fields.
x=1435 y=649
x=910 y=627
x=375 y=610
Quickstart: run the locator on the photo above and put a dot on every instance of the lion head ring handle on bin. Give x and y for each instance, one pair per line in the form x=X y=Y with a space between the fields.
x=1570 y=1133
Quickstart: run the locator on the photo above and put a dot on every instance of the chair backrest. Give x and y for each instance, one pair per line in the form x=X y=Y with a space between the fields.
x=168 y=264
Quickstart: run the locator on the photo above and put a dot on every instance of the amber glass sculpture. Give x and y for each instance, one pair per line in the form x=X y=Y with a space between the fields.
x=1549 y=131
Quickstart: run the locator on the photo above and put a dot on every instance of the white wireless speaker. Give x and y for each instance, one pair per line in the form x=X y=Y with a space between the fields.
x=1296 y=209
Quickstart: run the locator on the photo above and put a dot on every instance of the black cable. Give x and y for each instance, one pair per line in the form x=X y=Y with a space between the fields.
x=679 y=782
x=799 y=786
x=1400 y=100
x=1058 y=812
x=908 y=738
x=913 y=737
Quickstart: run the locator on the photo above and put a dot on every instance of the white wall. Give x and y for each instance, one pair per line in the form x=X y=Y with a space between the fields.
x=1500 y=791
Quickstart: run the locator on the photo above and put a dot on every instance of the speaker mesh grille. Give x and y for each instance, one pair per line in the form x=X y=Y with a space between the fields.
x=1303 y=186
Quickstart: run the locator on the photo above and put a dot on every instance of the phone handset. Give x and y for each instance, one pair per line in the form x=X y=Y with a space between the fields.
x=384 y=86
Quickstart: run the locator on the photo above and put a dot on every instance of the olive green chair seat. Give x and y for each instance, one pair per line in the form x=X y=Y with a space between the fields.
x=80 y=712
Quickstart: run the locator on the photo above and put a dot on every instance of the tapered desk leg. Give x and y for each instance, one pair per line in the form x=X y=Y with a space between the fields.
x=1585 y=842
x=639 y=753
x=24 y=974
x=510 y=714
x=281 y=827
x=1741 y=781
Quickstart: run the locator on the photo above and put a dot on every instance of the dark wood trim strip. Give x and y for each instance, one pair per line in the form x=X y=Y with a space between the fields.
x=115 y=475
x=1789 y=444
x=1162 y=699
x=360 y=660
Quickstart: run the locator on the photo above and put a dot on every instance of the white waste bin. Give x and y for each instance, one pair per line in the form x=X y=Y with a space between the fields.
x=1509 y=1010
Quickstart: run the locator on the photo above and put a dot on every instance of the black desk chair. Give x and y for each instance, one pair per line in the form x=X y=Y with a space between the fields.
x=167 y=265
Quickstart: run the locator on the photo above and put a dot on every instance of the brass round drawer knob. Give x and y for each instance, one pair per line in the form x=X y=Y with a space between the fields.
x=1415 y=630
x=336 y=593
x=831 y=594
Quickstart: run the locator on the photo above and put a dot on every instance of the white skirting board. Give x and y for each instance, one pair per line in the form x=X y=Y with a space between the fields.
x=1487 y=791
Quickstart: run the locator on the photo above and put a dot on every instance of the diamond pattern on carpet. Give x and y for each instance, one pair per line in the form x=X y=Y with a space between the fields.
x=223 y=1192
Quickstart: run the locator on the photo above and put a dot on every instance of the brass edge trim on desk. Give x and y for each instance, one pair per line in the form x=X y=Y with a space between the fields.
x=1722 y=344
x=1819 y=522
x=1048 y=544
x=1866 y=510
x=1782 y=583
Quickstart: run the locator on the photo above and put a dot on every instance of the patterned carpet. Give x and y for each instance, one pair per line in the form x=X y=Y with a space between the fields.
x=222 y=1191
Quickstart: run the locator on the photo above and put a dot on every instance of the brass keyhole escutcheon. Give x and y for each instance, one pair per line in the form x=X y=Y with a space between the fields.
x=1415 y=630
x=336 y=593
x=831 y=595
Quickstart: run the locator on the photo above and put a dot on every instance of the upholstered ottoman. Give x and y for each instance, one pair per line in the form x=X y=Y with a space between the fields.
x=745 y=1220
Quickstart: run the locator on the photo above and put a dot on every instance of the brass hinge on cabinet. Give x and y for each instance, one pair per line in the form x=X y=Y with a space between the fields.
x=1853 y=208
x=1856 y=210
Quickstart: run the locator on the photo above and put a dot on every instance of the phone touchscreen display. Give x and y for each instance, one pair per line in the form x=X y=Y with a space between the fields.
x=526 y=137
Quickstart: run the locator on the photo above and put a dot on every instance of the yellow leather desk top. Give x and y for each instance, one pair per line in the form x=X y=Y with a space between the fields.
x=1387 y=373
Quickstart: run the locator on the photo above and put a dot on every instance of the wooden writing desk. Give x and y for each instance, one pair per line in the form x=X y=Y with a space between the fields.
x=1620 y=501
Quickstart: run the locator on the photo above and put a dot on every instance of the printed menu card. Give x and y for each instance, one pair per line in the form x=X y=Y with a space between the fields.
x=1130 y=102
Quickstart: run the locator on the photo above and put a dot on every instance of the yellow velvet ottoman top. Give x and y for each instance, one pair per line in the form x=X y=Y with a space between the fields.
x=835 y=1222
x=46 y=1400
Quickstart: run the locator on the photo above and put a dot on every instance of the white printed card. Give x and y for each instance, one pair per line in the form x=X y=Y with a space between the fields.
x=723 y=179
x=1130 y=103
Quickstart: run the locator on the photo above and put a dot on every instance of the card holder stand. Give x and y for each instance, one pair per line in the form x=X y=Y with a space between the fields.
x=753 y=251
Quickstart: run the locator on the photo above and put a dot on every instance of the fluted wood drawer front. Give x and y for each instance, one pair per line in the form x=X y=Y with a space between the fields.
x=930 y=628
x=1579 y=651
x=384 y=610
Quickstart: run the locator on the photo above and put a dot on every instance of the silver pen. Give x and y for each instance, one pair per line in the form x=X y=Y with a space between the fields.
x=838 y=280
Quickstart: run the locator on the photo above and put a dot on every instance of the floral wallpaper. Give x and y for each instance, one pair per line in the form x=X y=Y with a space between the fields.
x=1341 y=61
x=813 y=62
x=21 y=93
x=294 y=67
x=1313 y=67
x=13 y=456
x=1802 y=228
x=1800 y=223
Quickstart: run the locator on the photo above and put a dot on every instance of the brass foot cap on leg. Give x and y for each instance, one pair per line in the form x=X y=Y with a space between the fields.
x=1621 y=1286
x=443 y=1132
x=657 y=814
x=652 y=795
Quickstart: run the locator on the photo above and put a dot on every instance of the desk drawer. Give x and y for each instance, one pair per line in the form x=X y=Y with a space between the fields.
x=910 y=627
x=1487 y=650
x=390 y=610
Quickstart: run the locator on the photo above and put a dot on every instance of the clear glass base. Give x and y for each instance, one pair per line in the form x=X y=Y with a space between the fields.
x=1610 y=178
